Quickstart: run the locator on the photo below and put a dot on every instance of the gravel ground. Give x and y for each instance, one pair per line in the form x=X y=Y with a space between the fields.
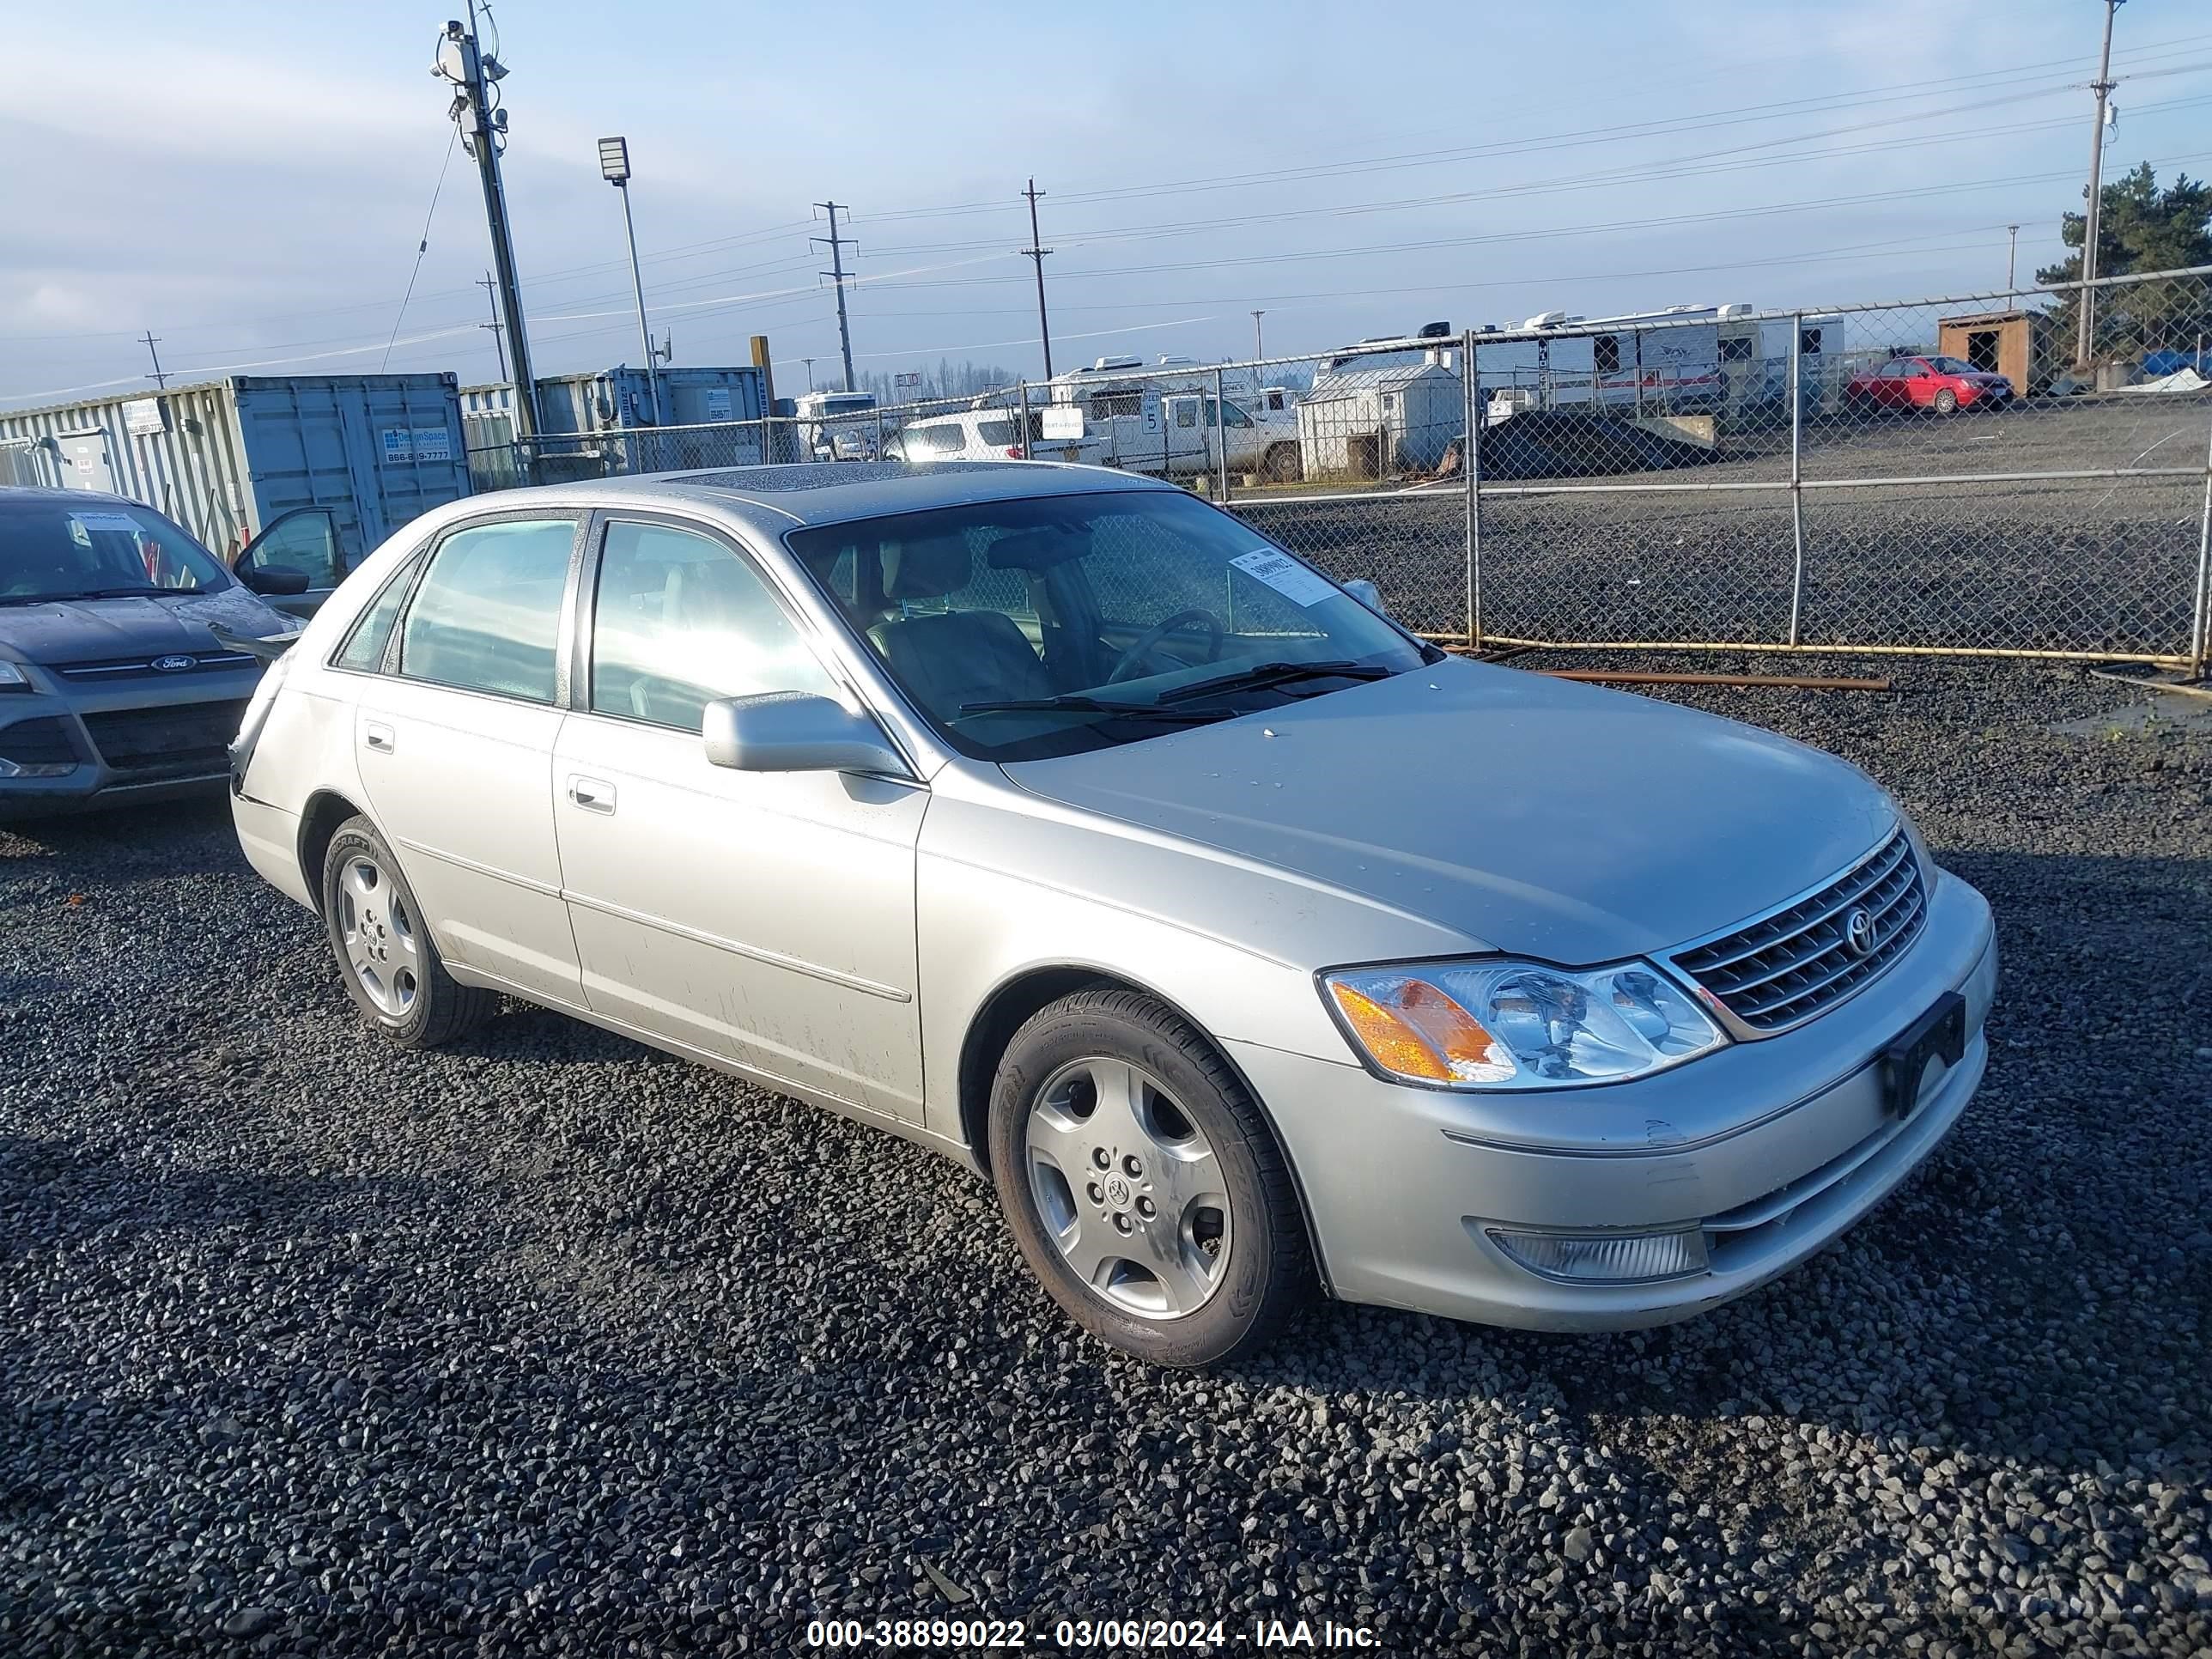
x=554 y=1344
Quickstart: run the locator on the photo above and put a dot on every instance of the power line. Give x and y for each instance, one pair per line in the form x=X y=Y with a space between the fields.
x=836 y=273
x=422 y=247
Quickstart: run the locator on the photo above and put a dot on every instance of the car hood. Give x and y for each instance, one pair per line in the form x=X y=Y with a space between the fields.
x=1535 y=816
x=96 y=630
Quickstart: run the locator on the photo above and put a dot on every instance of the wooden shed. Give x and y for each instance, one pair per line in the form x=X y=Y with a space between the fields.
x=2006 y=343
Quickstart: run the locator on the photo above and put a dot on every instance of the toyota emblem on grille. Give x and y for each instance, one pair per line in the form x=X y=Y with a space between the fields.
x=1858 y=932
x=173 y=665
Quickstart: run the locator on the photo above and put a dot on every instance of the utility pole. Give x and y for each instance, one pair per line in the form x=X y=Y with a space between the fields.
x=2012 y=255
x=836 y=274
x=496 y=327
x=159 y=378
x=1035 y=252
x=809 y=362
x=476 y=112
x=2102 y=86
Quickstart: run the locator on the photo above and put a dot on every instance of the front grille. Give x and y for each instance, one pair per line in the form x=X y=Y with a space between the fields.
x=134 y=668
x=1784 y=968
x=189 y=739
x=43 y=742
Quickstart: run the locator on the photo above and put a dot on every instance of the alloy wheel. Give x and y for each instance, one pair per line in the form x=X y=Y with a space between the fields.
x=1129 y=1190
x=382 y=947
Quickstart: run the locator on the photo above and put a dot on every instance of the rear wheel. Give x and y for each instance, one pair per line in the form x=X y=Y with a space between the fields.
x=390 y=963
x=1146 y=1190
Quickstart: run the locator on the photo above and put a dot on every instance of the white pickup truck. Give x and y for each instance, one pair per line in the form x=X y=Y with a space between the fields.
x=1178 y=433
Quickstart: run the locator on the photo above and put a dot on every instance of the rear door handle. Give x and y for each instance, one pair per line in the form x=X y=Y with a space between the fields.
x=593 y=794
x=377 y=738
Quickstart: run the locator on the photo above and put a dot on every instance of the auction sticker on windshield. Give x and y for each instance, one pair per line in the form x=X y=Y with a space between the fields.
x=1285 y=575
x=82 y=524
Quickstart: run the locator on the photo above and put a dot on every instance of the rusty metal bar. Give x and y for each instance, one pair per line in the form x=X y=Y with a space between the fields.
x=1794 y=682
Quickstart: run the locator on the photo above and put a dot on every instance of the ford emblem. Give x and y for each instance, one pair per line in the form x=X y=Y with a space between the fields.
x=173 y=665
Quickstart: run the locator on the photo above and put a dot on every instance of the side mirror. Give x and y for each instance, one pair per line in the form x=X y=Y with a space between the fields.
x=274 y=581
x=795 y=732
x=1367 y=593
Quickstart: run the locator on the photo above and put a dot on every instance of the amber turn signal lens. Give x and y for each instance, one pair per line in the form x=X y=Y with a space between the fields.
x=1394 y=1045
x=1417 y=1031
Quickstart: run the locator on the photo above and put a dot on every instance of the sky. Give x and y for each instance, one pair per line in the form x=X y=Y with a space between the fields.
x=251 y=181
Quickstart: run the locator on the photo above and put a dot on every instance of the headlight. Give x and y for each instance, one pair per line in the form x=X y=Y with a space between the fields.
x=1498 y=1024
x=13 y=679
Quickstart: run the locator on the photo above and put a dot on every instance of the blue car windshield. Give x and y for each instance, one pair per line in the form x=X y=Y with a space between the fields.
x=57 y=549
x=1054 y=625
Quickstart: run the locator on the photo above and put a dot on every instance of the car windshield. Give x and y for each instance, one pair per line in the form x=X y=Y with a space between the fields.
x=1060 y=623
x=54 y=549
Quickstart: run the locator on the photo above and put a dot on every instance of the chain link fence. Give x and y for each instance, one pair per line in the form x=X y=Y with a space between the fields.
x=1936 y=476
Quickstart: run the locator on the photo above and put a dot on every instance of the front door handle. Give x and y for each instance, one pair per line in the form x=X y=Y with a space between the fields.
x=377 y=736
x=593 y=794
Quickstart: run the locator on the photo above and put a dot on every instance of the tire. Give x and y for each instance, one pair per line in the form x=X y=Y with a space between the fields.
x=385 y=953
x=1946 y=402
x=1281 y=463
x=1224 y=1232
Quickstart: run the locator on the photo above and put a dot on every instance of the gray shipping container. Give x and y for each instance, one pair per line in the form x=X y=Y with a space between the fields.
x=622 y=396
x=226 y=459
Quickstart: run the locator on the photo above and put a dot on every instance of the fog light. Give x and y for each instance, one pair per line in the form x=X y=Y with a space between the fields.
x=35 y=769
x=1605 y=1258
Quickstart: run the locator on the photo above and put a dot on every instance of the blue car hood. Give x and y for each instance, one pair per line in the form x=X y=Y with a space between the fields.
x=99 y=630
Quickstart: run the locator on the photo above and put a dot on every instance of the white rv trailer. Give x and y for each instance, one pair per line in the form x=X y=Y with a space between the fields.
x=1723 y=360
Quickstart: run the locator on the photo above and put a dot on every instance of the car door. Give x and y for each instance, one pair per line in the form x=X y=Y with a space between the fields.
x=306 y=539
x=765 y=917
x=454 y=740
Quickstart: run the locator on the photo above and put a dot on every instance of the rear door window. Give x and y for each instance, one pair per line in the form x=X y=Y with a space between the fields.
x=487 y=616
x=365 y=645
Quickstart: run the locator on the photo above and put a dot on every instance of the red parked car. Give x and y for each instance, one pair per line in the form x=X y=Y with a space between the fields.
x=1943 y=384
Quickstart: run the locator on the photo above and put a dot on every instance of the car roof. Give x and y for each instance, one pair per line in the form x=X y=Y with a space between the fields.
x=774 y=499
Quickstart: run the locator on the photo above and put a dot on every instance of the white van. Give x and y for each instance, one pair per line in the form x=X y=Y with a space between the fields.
x=838 y=426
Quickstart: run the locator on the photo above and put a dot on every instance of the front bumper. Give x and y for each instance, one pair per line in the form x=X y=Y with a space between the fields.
x=1768 y=1149
x=143 y=740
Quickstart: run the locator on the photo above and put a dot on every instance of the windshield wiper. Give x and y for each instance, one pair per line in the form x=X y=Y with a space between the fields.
x=142 y=590
x=1077 y=703
x=1262 y=676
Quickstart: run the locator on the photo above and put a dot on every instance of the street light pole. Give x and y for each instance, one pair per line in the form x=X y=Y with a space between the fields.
x=614 y=167
x=2102 y=86
x=2012 y=255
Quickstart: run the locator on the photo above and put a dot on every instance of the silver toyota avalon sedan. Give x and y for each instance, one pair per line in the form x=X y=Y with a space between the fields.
x=1056 y=820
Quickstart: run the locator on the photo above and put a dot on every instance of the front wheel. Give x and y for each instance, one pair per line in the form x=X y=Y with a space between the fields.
x=1946 y=401
x=385 y=955
x=1144 y=1187
x=1282 y=465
